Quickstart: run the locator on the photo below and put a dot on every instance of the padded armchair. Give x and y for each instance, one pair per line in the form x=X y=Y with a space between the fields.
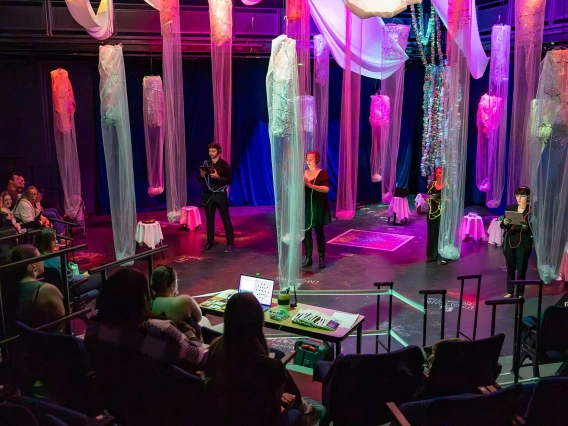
x=463 y=367
x=495 y=409
x=548 y=403
x=552 y=339
x=357 y=387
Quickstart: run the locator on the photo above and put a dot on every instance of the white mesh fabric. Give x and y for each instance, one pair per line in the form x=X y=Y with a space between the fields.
x=153 y=107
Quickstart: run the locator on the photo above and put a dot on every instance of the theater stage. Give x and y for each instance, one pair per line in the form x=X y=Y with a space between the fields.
x=396 y=253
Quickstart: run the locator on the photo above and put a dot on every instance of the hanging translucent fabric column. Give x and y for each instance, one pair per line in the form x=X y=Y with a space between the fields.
x=395 y=40
x=65 y=140
x=321 y=97
x=115 y=127
x=454 y=149
x=488 y=120
x=497 y=134
x=350 y=109
x=549 y=168
x=529 y=24
x=153 y=106
x=379 y=119
x=174 y=128
x=99 y=25
x=221 y=21
x=287 y=153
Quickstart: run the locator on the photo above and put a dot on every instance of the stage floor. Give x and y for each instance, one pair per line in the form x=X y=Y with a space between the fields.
x=396 y=253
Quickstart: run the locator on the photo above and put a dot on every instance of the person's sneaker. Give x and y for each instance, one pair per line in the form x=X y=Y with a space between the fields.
x=508 y=295
x=207 y=246
x=229 y=248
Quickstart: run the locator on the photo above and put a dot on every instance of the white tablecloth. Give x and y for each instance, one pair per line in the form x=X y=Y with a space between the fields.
x=149 y=234
x=495 y=233
x=472 y=226
x=399 y=206
x=190 y=216
x=421 y=204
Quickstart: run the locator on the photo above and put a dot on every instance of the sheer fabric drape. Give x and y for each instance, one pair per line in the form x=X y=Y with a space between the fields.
x=221 y=20
x=488 y=120
x=497 y=135
x=153 y=105
x=115 y=127
x=549 y=169
x=456 y=119
x=379 y=119
x=287 y=153
x=65 y=139
x=350 y=110
x=395 y=40
x=385 y=8
x=99 y=25
x=174 y=127
x=529 y=25
x=321 y=97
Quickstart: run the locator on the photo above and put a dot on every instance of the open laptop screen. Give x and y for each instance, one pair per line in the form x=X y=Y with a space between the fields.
x=261 y=288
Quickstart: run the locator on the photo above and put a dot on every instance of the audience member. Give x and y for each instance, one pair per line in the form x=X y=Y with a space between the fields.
x=46 y=243
x=27 y=212
x=28 y=300
x=50 y=213
x=124 y=320
x=6 y=211
x=12 y=182
x=249 y=387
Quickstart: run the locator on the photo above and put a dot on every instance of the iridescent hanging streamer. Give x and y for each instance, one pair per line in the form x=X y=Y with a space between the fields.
x=153 y=105
x=321 y=97
x=174 y=129
x=549 y=167
x=529 y=25
x=379 y=119
x=497 y=134
x=456 y=111
x=65 y=139
x=221 y=20
x=395 y=40
x=115 y=127
x=287 y=153
x=350 y=110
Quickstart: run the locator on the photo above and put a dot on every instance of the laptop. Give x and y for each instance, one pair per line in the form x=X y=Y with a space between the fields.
x=261 y=288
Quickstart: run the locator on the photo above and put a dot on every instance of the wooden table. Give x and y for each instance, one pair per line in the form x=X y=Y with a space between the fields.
x=336 y=337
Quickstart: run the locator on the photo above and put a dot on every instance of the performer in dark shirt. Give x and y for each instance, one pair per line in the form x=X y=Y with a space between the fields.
x=518 y=240
x=433 y=222
x=215 y=195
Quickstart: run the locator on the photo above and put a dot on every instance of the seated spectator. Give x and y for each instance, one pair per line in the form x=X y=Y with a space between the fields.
x=167 y=302
x=27 y=213
x=12 y=182
x=124 y=320
x=6 y=211
x=249 y=387
x=28 y=300
x=50 y=213
x=46 y=243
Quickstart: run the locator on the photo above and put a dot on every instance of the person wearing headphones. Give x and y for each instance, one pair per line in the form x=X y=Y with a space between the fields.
x=318 y=212
x=517 y=240
x=216 y=177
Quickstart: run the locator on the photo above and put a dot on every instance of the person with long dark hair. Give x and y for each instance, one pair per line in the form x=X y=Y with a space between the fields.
x=248 y=386
x=517 y=240
x=124 y=320
x=434 y=199
x=318 y=213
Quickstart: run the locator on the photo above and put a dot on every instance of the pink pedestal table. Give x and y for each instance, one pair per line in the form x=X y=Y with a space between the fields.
x=472 y=227
x=190 y=216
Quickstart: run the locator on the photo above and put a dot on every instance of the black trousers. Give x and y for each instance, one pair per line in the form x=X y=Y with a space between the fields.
x=432 y=232
x=517 y=260
x=309 y=242
x=219 y=201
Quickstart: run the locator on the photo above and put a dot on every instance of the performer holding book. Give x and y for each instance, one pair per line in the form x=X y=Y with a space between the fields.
x=517 y=239
x=216 y=177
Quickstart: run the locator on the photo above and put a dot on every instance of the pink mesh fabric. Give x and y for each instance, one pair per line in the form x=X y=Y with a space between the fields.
x=153 y=105
x=488 y=119
x=221 y=19
x=379 y=119
x=350 y=109
x=65 y=139
x=529 y=24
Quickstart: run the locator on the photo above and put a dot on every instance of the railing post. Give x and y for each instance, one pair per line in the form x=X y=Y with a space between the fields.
x=426 y=293
x=377 y=342
x=463 y=278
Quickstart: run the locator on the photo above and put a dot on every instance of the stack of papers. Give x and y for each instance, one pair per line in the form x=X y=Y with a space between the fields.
x=345 y=320
x=312 y=318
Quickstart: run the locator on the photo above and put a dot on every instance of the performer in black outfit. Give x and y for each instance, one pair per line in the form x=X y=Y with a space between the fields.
x=318 y=213
x=215 y=184
x=517 y=241
x=433 y=222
